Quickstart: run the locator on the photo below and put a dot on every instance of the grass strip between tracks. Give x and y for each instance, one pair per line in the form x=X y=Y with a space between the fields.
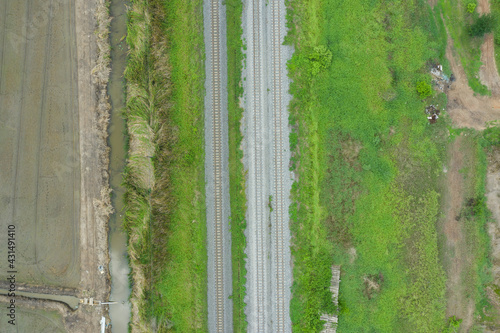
x=165 y=205
x=236 y=171
x=369 y=167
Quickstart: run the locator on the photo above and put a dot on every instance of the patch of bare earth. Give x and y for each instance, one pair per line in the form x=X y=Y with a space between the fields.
x=93 y=71
x=432 y=3
x=465 y=108
x=493 y=201
x=457 y=256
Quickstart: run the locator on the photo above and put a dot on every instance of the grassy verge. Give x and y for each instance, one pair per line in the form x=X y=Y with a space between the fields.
x=369 y=165
x=236 y=172
x=467 y=48
x=165 y=208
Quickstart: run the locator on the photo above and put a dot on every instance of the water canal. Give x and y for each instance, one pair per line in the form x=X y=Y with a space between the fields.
x=119 y=266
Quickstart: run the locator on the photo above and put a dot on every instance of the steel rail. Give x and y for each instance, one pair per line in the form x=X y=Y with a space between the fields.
x=217 y=166
x=279 y=221
x=260 y=221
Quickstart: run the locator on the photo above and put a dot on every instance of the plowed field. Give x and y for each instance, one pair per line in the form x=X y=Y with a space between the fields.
x=39 y=164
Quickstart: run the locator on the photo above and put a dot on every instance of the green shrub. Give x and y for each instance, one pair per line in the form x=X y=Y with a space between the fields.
x=453 y=325
x=424 y=89
x=482 y=25
x=320 y=59
x=471 y=7
x=491 y=135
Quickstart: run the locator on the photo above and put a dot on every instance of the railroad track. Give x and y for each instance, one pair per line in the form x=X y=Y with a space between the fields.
x=260 y=220
x=217 y=167
x=279 y=190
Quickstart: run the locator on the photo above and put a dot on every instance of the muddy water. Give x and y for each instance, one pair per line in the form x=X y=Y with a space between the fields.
x=119 y=267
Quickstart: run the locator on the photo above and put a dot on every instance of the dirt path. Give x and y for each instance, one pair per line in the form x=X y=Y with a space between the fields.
x=456 y=250
x=483 y=6
x=493 y=202
x=95 y=200
x=466 y=109
x=432 y=3
x=488 y=73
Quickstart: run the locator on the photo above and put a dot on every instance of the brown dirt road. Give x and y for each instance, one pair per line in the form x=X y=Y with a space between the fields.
x=457 y=255
x=465 y=108
x=93 y=73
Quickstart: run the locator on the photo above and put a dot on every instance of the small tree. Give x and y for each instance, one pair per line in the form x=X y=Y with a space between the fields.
x=424 y=89
x=482 y=25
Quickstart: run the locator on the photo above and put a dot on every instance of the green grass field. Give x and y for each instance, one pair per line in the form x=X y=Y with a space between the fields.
x=165 y=207
x=370 y=166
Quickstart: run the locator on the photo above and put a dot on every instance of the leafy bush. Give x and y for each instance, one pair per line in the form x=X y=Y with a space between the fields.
x=491 y=135
x=320 y=59
x=424 y=89
x=471 y=7
x=453 y=325
x=482 y=25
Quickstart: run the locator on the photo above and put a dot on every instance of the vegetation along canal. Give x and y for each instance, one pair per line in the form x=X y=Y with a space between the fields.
x=119 y=267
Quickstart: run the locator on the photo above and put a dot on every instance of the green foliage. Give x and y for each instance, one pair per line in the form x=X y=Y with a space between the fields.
x=471 y=7
x=424 y=89
x=164 y=212
x=491 y=134
x=236 y=170
x=368 y=166
x=482 y=25
x=319 y=59
x=453 y=325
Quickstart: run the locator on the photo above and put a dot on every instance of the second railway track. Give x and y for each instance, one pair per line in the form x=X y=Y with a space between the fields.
x=280 y=217
x=216 y=170
x=267 y=158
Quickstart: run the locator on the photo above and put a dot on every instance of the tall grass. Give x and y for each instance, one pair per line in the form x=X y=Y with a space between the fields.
x=165 y=209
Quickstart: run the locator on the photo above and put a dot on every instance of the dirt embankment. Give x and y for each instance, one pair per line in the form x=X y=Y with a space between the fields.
x=92 y=20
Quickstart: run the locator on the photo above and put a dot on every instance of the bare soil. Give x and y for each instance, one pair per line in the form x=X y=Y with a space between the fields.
x=39 y=152
x=456 y=248
x=54 y=157
x=465 y=108
x=483 y=6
